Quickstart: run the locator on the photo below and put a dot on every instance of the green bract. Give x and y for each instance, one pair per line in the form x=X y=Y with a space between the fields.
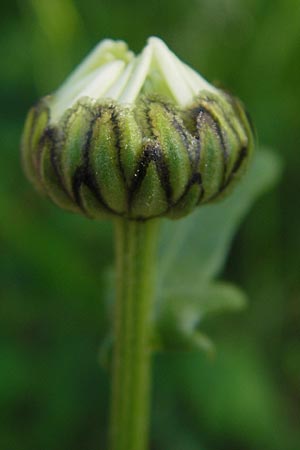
x=136 y=136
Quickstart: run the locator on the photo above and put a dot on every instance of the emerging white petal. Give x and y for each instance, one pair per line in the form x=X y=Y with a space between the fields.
x=111 y=71
x=138 y=76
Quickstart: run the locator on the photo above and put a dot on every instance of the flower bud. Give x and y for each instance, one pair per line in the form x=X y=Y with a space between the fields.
x=135 y=136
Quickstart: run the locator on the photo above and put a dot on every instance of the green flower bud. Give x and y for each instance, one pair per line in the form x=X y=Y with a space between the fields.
x=136 y=136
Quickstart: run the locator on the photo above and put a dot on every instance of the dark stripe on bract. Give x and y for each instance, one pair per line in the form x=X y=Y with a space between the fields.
x=139 y=175
x=218 y=131
x=84 y=173
x=243 y=153
x=163 y=173
x=237 y=105
x=158 y=157
x=183 y=133
x=148 y=118
x=48 y=134
x=38 y=109
x=77 y=180
x=227 y=119
x=198 y=141
x=218 y=128
x=195 y=179
x=197 y=153
x=56 y=154
x=31 y=133
x=151 y=152
x=117 y=132
x=51 y=134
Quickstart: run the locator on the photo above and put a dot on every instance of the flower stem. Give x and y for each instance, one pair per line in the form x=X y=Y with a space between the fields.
x=135 y=261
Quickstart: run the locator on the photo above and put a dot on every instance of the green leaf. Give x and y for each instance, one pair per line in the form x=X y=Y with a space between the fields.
x=181 y=313
x=193 y=250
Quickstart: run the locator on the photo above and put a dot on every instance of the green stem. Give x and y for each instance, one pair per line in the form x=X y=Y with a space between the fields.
x=135 y=257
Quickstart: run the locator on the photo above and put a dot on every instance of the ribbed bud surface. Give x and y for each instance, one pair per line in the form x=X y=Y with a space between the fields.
x=150 y=158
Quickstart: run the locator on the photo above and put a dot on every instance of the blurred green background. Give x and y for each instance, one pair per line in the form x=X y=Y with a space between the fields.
x=53 y=390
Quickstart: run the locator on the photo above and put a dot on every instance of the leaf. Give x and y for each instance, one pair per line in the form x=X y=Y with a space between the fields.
x=193 y=250
x=192 y=254
x=181 y=314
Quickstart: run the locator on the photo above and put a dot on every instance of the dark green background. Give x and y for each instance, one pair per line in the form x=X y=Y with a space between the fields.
x=53 y=391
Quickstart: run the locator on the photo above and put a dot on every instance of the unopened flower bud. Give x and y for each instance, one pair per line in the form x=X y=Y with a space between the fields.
x=136 y=136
